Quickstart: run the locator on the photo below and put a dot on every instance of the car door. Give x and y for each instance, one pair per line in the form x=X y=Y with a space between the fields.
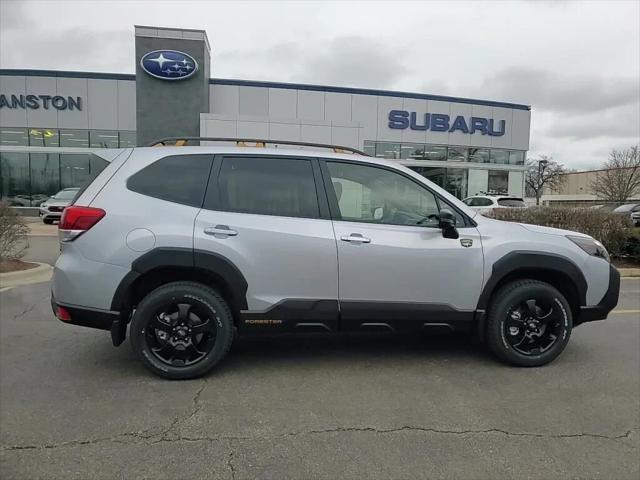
x=396 y=270
x=263 y=214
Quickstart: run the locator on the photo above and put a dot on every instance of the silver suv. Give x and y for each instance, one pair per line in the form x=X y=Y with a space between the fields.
x=190 y=246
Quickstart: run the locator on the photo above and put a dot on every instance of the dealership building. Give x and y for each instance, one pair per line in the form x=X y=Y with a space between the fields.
x=52 y=121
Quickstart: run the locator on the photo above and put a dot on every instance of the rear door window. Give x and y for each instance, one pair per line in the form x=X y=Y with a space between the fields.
x=267 y=186
x=177 y=178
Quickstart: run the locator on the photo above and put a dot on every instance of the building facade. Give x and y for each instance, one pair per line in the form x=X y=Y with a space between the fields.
x=51 y=121
x=576 y=191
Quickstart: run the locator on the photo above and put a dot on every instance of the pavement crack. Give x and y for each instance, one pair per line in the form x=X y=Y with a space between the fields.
x=179 y=419
x=406 y=428
x=232 y=468
x=140 y=437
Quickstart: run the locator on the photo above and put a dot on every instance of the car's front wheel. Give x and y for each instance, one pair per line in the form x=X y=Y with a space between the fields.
x=181 y=330
x=529 y=323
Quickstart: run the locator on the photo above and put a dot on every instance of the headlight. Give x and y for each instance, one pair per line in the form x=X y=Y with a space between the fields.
x=591 y=246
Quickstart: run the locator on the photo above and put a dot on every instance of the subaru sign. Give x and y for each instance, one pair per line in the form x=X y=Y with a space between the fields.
x=440 y=122
x=169 y=64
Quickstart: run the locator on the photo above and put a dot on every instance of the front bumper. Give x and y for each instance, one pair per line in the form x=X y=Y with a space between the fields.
x=608 y=302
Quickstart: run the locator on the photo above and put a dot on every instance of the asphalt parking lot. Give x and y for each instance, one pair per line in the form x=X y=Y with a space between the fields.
x=73 y=406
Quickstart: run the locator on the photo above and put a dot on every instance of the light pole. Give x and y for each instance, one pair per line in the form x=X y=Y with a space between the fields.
x=541 y=164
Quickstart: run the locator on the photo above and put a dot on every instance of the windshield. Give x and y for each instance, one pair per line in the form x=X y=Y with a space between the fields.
x=65 y=194
x=511 y=202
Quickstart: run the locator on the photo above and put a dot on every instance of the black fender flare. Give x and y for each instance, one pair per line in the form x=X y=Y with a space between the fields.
x=163 y=257
x=533 y=261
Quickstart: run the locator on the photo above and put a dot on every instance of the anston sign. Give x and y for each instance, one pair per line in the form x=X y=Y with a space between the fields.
x=440 y=122
x=34 y=102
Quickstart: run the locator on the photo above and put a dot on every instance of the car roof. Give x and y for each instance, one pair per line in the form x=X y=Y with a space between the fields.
x=267 y=150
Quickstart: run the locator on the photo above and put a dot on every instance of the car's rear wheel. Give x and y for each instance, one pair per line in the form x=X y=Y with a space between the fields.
x=48 y=221
x=181 y=330
x=529 y=323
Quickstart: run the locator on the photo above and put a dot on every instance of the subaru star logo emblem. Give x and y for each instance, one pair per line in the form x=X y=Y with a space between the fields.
x=169 y=64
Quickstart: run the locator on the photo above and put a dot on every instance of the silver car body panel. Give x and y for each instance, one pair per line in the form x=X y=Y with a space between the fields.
x=292 y=258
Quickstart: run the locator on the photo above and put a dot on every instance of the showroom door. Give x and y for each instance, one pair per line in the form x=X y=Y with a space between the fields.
x=396 y=270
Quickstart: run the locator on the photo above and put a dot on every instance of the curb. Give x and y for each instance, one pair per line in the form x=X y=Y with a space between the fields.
x=629 y=272
x=41 y=273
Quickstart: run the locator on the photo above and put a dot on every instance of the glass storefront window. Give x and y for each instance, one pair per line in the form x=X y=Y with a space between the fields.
x=453 y=180
x=128 y=139
x=498 y=181
x=45 y=176
x=26 y=180
x=74 y=170
x=103 y=139
x=499 y=156
x=412 y=151
x=14 y=178
x=436 y=152
x=456 y=183
x=15 y=137
x=458 y=154
x=516 y=158
x=74 y=138
x=388 y=150
x=370 y=148
x=479 y=155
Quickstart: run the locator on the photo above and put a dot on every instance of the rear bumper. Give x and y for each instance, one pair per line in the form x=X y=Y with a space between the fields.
x=86 y=317
x=608 y=302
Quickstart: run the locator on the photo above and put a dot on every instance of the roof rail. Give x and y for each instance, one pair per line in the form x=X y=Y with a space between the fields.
x=241 y=142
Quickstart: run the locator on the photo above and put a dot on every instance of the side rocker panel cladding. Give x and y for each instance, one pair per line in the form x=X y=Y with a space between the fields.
x=164 y=257
x=528 y=260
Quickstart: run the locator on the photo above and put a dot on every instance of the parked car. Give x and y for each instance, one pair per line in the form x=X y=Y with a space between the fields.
x=51 y=209
x=630 y=209
x=188 y=247
x=484 y=203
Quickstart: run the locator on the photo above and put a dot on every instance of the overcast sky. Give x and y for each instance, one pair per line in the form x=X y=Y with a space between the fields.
x=576 y=63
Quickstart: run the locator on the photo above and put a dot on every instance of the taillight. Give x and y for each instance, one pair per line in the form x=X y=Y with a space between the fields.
x=77 y=220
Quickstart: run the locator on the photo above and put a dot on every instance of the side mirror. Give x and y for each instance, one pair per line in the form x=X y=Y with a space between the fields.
x=447 y=222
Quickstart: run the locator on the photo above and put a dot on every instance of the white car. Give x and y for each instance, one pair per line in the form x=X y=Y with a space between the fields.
x=51 y=209
x=484 y=203
x=631 y=209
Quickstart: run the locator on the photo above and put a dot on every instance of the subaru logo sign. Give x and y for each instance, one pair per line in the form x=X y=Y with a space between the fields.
x=169 y=64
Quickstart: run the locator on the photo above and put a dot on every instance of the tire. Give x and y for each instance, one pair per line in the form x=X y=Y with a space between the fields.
x=48 y=221
x=160 y=330
x=548 y=319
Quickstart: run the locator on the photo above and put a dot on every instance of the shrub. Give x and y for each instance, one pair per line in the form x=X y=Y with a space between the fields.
x=611 y=229
x=12 y=232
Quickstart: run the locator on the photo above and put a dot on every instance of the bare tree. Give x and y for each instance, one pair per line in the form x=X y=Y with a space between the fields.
x=543 y=173
x=620 y=180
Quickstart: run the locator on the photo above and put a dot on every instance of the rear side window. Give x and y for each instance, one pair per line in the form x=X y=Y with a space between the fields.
x=268 y=186
x=177 y=178
x=511 y=202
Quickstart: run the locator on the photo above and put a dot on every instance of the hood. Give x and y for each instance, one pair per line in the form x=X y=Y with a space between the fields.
x=56 y=203
x=551 y=231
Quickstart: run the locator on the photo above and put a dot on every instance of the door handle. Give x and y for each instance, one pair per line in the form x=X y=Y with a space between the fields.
x=356 y=238
x=220 y=230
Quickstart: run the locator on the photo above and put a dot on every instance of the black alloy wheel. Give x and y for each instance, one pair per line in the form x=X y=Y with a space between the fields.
x=529 y=323
x=181 y=334
x=182 y=330
x=532 y=327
